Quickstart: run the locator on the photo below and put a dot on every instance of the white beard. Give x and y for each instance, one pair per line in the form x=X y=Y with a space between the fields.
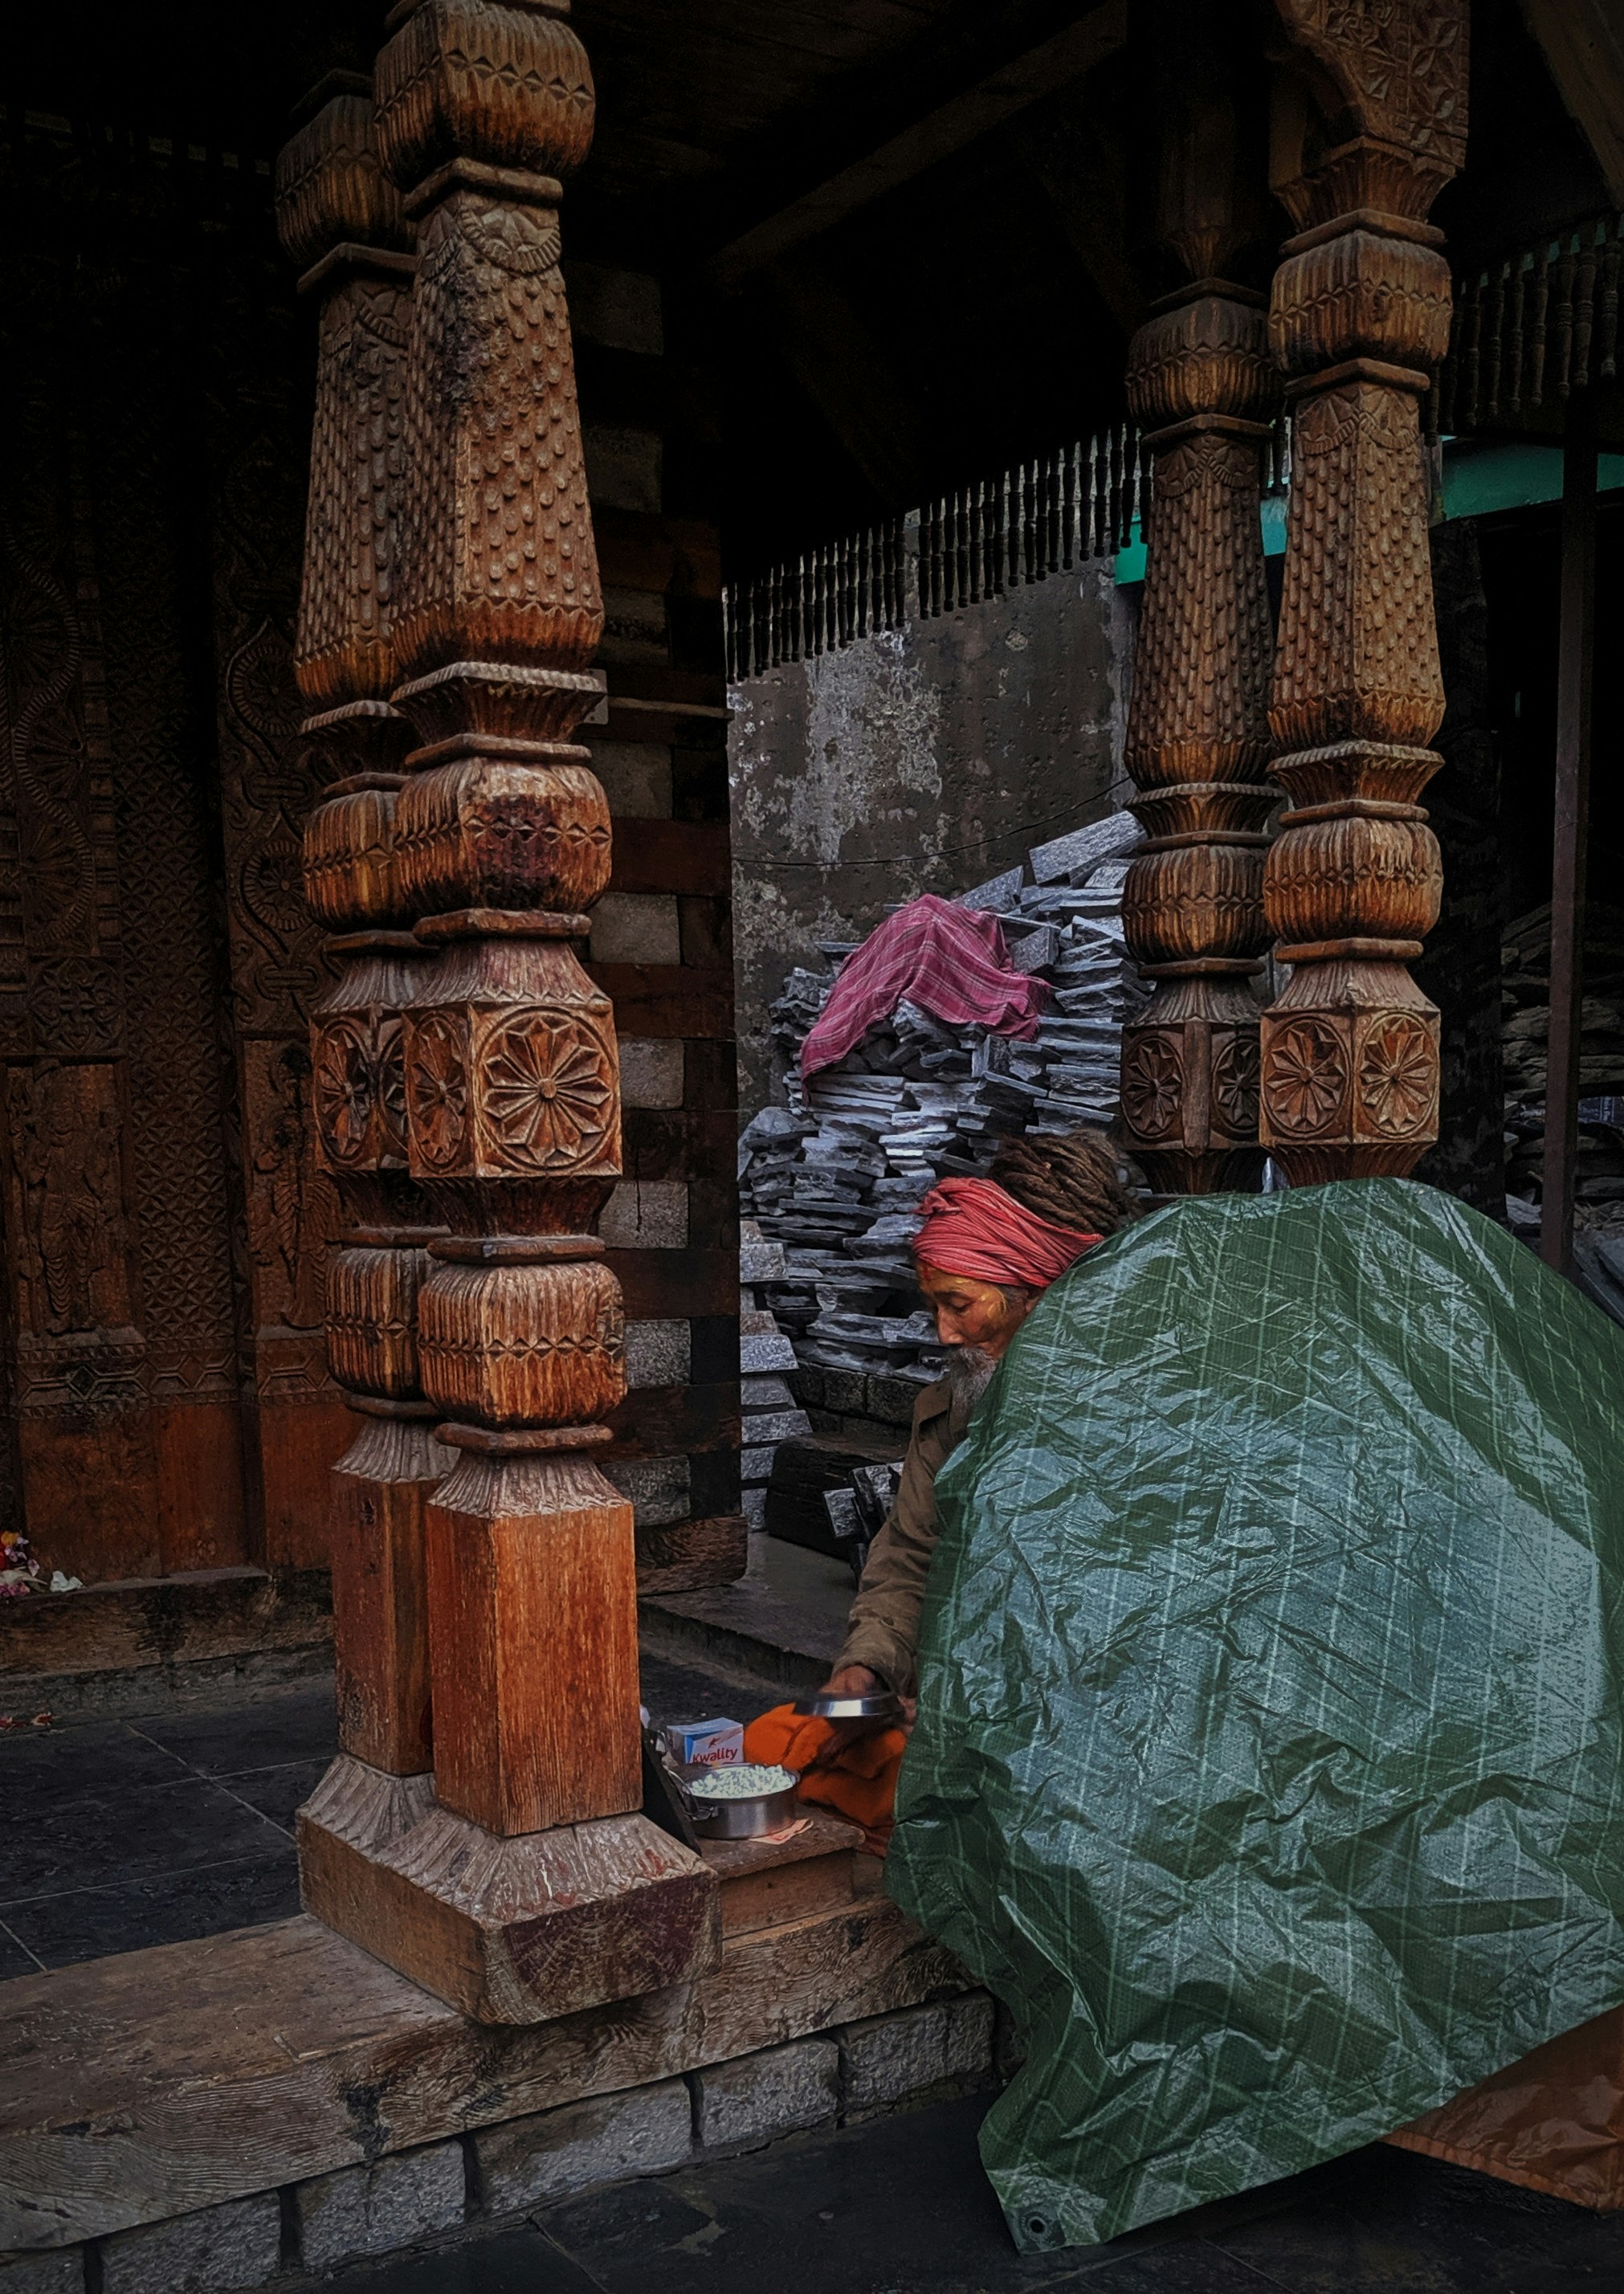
x=969 y=1373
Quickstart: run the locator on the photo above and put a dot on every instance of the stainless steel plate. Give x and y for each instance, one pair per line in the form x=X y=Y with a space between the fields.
x=881 y=1707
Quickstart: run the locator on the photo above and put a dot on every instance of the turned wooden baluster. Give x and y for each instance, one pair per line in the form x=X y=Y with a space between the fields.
x=1199 y=378
x=338 y=213
x=1360 y=316
x=532 y=1884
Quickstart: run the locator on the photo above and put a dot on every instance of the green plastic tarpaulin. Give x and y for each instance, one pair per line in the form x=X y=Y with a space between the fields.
x=1269 y=1761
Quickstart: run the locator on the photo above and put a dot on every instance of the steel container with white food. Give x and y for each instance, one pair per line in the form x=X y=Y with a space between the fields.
x=746 y=1818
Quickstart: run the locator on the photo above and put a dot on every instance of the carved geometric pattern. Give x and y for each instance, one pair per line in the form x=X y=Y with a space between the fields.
x=389 y=1083
x=523 y=79
x=372 y=1322
x=516 y=1344
x=1397 y=1077
x=490 y=832
x=1305 y=1081
x=1152 y=1084
x=346 y=1089
x=349 y=861
x=42 y=655
x=1197 y=899
x=437 y=1089
x=547 y=1091
x=1235 y=1080
x=1372 y=877
x=355 y=476
x=1400 y=64
x=1205 y=649
x=497 y=534
x=65 y=1215
x=1358 y=649
x=120 y=1213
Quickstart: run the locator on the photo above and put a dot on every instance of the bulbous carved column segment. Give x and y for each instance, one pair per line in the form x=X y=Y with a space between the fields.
x=499 y=1098
x=1199 y=378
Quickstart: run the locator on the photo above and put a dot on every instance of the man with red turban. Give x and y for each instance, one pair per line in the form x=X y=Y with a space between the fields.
x=988 y=1248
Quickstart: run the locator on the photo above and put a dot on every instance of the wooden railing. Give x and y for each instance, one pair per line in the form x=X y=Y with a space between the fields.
x=1077 y=503
x=1532 y=327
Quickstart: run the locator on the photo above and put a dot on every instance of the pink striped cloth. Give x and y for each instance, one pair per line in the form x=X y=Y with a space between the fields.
x=948 y=960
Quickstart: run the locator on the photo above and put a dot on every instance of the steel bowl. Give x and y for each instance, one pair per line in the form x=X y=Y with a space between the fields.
x=881 y=1707
x=743 y=1820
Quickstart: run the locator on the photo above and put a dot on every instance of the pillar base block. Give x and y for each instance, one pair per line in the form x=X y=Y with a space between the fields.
x=517 y=1931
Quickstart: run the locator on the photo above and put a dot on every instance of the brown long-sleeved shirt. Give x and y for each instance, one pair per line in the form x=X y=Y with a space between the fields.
x=883 y=1630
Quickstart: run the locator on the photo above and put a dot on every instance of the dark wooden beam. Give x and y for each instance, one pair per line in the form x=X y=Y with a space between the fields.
x=1582 y=41
x=1078 y=166
x=1575 y=668
x=840 y=364
x=937 y=135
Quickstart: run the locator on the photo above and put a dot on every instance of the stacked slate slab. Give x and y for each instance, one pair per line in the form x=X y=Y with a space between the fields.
x=770 y=1413
x=1525 y=991
x=834 y=1175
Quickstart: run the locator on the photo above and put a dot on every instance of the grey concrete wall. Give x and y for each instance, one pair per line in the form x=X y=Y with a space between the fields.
x=922 y=760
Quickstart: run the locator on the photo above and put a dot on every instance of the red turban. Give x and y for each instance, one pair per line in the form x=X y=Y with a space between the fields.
x=973 y=1227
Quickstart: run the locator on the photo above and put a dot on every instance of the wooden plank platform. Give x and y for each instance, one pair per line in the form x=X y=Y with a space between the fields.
x=766 y=1883
x=136 y=2088
x=129 y=1647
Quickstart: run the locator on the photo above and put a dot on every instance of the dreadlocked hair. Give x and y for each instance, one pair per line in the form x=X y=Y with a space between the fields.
x=1071 y=1181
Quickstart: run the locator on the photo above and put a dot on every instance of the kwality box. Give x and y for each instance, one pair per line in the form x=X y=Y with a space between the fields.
x=706 y=1743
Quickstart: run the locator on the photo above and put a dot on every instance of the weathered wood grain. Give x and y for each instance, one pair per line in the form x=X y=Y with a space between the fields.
x=380 y=1597
x=768 y=1883
x=141 y=2086
x=163 y=1621
x=533 y=1593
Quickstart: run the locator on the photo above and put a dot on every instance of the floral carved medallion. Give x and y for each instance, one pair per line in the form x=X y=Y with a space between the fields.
x=1307 y=1080
x=1397 y=1077
x=546 y=1092
x=437 y=1091
x=1235 y=1073
x=344 y=1093
x=391 y=1084
x=1152 y=1084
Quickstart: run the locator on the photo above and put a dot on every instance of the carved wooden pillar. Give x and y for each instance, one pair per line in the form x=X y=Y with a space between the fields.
x=1199 y=377
x=531 y=1884
x=339 y=214
x=1200 y=384
x=1360 y=314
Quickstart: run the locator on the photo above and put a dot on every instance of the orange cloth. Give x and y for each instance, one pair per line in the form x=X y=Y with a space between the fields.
x=857 y=1780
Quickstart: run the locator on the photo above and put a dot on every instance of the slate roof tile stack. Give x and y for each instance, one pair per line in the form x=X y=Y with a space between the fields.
x=1525 y=1002
x=770 y=1412
x=834 y=1175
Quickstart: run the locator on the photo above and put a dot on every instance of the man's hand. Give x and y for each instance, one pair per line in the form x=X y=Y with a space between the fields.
x=852 y=1681
x=849 y=1680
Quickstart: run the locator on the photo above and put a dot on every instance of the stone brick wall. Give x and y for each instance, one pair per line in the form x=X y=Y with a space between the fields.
x=443 y=2191
x=660 y=939
x=921 y=760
